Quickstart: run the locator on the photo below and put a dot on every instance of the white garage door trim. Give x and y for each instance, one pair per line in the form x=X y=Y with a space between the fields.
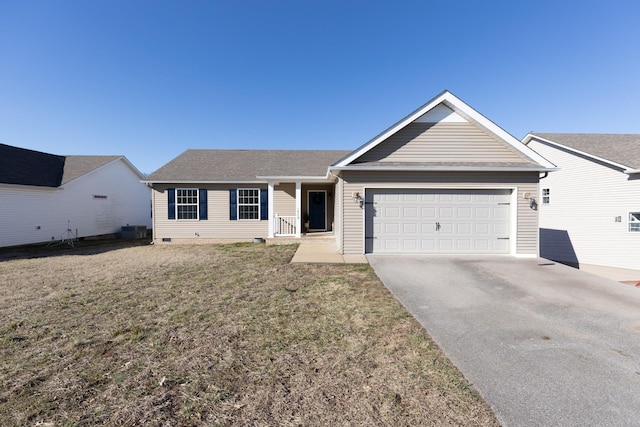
x=508 y=235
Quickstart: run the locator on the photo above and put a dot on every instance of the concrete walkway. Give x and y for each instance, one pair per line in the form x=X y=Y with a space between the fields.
x=618 y=274
x=324 y=253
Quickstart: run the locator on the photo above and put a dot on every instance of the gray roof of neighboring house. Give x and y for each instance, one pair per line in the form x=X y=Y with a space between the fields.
x=246 y=165
x=76 y=166
x=623 y=149
x=20 y=166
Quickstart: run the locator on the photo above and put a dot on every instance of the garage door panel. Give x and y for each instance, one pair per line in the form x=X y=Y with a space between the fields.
x=437 y=221
x=391 y=212
x=464 y=245
x=464 y=229
x=446 y=229
x=428 y=228
x=428 y=213
x=410 y=212
x=410 y=228
x=482 y=213
x=500 y=229
x=445 y=245
x=500 y=213
x=392 y=228
x=481 y=245
x=445 y=213
x=464 y=212
x=409 y=245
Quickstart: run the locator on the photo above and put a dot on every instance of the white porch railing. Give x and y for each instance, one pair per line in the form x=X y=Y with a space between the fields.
x=284 y=225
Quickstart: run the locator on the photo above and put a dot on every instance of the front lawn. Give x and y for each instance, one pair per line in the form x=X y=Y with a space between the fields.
x=216 y=335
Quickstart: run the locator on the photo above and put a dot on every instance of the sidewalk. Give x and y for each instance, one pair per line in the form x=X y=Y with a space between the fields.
x=324 y=253
x=624 y=275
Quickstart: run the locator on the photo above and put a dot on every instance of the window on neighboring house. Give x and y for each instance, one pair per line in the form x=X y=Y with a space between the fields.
x=248 y=203
x=634 y=221
x=546 y=196
x=187 y=203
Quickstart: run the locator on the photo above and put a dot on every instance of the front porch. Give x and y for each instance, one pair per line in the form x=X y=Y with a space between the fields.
x=300 y=210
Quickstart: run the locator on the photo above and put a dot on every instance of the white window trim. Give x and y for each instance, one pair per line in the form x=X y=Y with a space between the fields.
x=631 y=221
x=197 y=218
x=247 y=204
x=548 y=196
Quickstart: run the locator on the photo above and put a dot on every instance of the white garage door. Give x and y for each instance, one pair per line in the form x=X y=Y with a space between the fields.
x=437 y=221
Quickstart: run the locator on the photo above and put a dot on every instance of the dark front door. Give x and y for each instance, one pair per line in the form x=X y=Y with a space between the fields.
x=317 y=210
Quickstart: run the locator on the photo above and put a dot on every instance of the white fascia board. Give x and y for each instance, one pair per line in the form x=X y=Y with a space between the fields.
x=445 y=168
x=625 y=169
x=151 y=182
x=29 y=187
x=132 y=167
x=296 y=178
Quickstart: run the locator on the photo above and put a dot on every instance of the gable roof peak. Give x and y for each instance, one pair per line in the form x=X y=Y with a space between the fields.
x=436 y=110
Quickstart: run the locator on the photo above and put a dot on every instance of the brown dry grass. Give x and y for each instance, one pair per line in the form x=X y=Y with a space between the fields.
x=216 y=335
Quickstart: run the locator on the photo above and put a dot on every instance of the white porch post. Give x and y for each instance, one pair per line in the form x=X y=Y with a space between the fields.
x=298 y=208
x=270 y=208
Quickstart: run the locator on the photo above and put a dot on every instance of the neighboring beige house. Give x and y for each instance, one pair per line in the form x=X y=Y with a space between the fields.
x=444 y=179
x=46 y=197
x=590 y=208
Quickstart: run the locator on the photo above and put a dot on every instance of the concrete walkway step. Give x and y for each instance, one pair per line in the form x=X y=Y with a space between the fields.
x=324 y=253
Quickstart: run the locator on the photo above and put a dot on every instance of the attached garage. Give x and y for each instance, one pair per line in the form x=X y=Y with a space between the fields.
x=442 y=180
x=437 y=221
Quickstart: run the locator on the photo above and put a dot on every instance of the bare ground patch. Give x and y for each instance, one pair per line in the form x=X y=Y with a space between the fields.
x=216 y=335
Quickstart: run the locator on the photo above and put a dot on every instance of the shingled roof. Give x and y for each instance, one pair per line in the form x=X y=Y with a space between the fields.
x=76 y=166
x=20 y=166
x=623 y=149
x=245 y=165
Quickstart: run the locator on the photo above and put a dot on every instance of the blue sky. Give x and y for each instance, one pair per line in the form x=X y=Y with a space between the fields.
x=150 y=79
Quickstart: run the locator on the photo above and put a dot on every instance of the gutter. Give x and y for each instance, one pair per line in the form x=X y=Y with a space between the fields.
x=442 y=169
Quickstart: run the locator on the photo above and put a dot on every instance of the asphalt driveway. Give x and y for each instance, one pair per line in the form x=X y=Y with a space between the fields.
x=545 y=344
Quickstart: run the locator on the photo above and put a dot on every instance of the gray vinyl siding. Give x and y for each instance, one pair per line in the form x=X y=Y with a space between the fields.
x=442 y=142
x=217 y=226
x=522 y=182
x=284 y=199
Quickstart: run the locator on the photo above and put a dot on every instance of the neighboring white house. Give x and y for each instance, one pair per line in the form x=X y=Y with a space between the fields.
x=590 y=208
x=44 y=195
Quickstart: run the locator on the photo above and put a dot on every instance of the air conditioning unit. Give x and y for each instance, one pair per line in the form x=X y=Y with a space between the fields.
x=131 y=232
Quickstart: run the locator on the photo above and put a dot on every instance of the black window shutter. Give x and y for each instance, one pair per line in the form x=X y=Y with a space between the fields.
x=264 y=204
x=233 y=204
x=202 y=201
x=171 y=195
